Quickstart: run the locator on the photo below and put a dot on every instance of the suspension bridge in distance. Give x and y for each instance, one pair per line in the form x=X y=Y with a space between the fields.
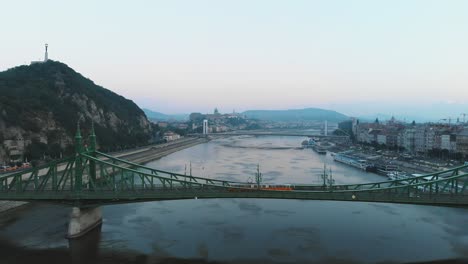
x=91 y=178
x=284 y=133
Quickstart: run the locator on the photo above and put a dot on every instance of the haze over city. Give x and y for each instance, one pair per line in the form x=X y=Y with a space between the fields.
x=355 y=57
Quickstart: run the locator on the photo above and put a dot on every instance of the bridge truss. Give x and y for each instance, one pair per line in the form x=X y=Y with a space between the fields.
x=93 y=178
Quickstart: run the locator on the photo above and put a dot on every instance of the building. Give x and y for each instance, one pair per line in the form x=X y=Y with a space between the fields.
x=420 y=139
x=448 y=142
x=15 y=148
x=374 y=134
x=382 y=139
x=408 y=139
x=163 y=124
x=362 y=133
x=219 y=129
x=391 y=134
x=424 y=138
x=462 y=142
x=445 y=142
x=415 y=138
x=430 y=138
x=205 y=127
x=169 y=136
x=182 y=126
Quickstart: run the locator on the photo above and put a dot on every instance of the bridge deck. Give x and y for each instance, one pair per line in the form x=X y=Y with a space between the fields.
x=96 y=178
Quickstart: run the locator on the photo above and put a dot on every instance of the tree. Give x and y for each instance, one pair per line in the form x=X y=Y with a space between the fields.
x=30 y=97
x=35 y=150
x=196 y=117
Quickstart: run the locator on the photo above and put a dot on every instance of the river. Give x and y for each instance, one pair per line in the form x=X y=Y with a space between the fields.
x=243 y=230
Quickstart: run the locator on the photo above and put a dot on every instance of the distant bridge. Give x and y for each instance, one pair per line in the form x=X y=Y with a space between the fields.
x=277 y=133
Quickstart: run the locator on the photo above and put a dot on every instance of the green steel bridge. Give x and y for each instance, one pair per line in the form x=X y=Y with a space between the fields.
x=91 y=178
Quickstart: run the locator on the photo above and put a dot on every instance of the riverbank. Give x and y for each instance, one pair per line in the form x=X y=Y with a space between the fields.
x=159 y=151
x=409 y=164
x=140 y=156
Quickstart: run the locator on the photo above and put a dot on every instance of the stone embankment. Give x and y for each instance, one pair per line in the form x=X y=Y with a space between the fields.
x=415 y=167
x=139 y=155
x=158 y=151
x=7 y=205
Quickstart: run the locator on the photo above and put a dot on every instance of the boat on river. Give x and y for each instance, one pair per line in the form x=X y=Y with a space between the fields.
x=310 y=143
x=384 y=168
x=398 y=175
x=319 y=150
x=353 y=161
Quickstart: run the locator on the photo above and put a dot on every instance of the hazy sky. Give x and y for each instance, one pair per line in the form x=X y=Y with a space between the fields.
x=183 y=56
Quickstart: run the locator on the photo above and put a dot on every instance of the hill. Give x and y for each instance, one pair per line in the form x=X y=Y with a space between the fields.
x=40 y=105
x=157 y=116
x=295 y=115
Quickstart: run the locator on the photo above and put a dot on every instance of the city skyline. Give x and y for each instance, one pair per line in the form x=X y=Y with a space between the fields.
x=358 y=58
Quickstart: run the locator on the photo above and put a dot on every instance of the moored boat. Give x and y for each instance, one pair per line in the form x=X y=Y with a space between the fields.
x=319 y=150
x=384 y=168
x=353 y=161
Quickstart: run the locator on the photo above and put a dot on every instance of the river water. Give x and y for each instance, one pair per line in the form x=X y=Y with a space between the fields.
x=243 y=230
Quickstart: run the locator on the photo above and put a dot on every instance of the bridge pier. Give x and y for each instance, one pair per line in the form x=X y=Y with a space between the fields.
x=83 y=220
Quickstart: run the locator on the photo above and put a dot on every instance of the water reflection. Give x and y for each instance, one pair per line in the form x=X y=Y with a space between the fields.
x=280 y=158
x=243 y=230
x=86 y=248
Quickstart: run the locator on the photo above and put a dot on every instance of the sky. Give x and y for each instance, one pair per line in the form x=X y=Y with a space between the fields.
x=395 y=57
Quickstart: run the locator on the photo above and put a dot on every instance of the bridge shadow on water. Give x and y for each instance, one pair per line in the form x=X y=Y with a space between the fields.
x=86 y=250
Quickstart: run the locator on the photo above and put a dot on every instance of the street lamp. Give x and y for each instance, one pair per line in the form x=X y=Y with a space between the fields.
x=258 y=176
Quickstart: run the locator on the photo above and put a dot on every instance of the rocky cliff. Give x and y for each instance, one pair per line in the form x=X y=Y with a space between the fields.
x=40 y=105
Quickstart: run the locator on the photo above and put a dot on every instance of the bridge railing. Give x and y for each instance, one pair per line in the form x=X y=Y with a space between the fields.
x=130 y=178
x=375 y=185
x=50 y=176
x=154 y=171
x=114 y=176
x=403 y=181
x=95 y=176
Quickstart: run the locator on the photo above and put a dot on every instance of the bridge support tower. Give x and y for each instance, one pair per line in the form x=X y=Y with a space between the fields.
x=83 y=220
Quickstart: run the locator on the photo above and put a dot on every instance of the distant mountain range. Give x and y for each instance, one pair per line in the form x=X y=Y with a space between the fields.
x=157 y=116
x=294 y=115
x=291 y=115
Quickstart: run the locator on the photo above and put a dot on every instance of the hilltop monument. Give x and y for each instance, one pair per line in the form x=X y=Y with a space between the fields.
x=46 y=55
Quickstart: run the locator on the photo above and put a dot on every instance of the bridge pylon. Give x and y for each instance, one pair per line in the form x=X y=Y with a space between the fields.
x=84 y=219
x=77 y=186
x=92 y=163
